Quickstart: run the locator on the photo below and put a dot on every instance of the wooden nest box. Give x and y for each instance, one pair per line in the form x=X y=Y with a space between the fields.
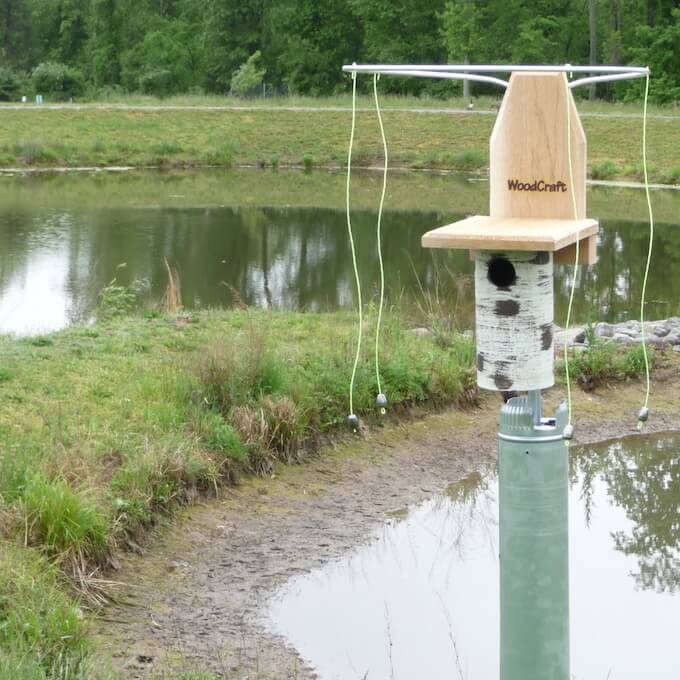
x=536 y=216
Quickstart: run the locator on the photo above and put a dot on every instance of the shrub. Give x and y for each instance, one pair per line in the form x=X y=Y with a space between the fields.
x=159 y=82
x=604 y=170
x=118 y=300
x=10 y=84
x=673 y=177
x=248 y=77
x=469 y=160
x=57 y=81
x=633 y=361
x=603 y=361
x=33 y=152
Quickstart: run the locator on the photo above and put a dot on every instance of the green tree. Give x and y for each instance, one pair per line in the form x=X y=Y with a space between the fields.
x=60 y=28
x=104 y=43
x=402 y=32
x=10 y=84
x=537 y=41
x=249 y=76
x=57 y=81
x=232 y=32
x=161 y=64
x=461 y=30
x=15 y=33
x=307 y=42
x=659 y=48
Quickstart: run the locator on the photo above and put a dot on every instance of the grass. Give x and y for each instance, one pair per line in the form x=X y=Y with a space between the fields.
x=104 y=428
x=108 y=427
x=324 y=189
x=42 y=629
x=271 y=136
x=602 y=362
x=387 y=101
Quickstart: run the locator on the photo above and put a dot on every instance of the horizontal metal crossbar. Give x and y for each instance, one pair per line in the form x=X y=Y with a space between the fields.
x=476 y=72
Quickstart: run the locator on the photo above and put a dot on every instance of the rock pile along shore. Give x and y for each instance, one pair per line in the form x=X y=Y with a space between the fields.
x=663 y=333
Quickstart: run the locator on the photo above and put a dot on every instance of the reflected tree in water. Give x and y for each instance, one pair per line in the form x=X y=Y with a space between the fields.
x=643 y=478
x=299 y=259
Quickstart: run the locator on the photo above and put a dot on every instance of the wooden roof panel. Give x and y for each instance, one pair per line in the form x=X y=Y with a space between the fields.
x=510 y=233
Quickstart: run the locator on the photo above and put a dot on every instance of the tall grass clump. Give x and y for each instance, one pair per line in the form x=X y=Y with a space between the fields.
x=672 y=176
x=469 y=160
x=282 y=404
x=32 y=152
x=439 y=305
x=235 y=373
x=42 y=633
x=219 y=156
x=603 y=361
x=172 y=298
x=604 y=170
x=66 y=523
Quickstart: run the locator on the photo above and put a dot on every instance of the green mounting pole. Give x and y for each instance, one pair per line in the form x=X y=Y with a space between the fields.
x=534 y=546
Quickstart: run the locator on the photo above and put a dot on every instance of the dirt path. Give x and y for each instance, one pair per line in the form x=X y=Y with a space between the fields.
x=195 y=596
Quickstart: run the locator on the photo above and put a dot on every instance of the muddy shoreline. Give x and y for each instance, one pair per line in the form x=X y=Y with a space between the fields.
x=193 y=601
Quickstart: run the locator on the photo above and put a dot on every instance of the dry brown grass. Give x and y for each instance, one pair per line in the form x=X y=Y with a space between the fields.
x=172 y=298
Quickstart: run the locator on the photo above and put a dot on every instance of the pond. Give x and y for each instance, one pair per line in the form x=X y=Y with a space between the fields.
x=278 y=240
x=420 y=599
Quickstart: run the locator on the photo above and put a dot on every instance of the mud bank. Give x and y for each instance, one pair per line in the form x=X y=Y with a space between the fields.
x=194 y=599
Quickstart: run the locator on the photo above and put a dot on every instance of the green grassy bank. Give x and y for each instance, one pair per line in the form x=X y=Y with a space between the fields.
x=104 y=428
x=323 y=189
x=272 y=137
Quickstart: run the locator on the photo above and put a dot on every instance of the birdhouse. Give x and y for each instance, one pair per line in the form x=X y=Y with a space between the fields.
x=536 y=217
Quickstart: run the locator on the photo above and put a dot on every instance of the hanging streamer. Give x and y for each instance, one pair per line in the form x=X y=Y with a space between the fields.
x=643 y=415
x=381 y=399
x=644 y=411
x=569 y=429
x=353 y=419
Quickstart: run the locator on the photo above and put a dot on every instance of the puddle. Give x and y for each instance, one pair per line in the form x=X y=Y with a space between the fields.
x=421 y=599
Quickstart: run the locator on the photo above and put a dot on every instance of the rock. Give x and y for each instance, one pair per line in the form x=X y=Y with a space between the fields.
x=604 y=330
x=580 y=337
x=570 y=336
x=421 y=332
x=655 y=341
x=661 y=329
x=631 y=328
x=673 y=338
x=623 y=338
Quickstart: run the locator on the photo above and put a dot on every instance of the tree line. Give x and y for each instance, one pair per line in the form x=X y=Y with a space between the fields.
x=66 y=48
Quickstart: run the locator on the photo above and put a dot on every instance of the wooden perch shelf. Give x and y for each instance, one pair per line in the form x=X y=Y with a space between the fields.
x=518 y=233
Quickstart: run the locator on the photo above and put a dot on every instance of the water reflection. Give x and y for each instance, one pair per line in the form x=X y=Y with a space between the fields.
x=56 y=259
x=644 y=481
x=421 y=599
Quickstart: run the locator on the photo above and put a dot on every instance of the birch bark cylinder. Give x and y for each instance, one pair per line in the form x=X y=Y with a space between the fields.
x=514 y=320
